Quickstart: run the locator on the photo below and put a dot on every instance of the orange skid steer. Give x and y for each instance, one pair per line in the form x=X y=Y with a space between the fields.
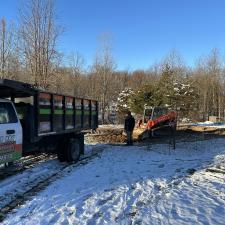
x=155 y=120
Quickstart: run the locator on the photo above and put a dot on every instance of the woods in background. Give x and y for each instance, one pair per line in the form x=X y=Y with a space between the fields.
x=29 y=52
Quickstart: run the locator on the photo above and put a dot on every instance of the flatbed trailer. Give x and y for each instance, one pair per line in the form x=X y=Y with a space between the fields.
x=50 y=122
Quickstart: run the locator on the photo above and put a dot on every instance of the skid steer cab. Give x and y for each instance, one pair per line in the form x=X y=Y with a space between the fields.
x=156 y=121
x=159 y=117
x=10 y=133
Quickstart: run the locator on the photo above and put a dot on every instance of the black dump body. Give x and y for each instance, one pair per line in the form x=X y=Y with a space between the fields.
x=43 y=114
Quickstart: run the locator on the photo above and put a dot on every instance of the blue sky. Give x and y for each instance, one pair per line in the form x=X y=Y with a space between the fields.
x=143 y=31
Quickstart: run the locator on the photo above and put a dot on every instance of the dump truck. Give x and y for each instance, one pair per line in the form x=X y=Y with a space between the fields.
x=155 y=119
x=32 y=120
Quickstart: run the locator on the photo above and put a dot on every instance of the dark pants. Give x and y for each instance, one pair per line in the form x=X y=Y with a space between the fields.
x=129 y=137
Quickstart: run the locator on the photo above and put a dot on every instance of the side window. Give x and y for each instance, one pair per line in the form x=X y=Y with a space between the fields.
x=158 y=111
x=7 y=113
x=147 y=115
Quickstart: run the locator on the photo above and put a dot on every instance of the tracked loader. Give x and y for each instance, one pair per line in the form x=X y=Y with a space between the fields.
x=156 y=121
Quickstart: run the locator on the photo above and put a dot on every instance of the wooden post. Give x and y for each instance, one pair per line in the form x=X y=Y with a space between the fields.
x=173 y=136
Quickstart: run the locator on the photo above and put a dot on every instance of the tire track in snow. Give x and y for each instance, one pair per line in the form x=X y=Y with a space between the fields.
x=35 y=183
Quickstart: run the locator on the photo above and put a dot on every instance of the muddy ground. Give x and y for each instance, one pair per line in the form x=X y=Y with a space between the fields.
x=184 y=133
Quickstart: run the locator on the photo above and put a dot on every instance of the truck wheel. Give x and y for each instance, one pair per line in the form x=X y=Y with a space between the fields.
x=81 y=141
x=61 y=151
x=73 y=150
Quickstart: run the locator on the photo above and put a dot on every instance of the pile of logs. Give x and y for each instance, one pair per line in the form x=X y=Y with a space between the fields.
x=106 y=135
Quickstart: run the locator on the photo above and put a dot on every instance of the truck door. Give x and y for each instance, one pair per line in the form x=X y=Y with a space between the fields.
x=10 y=133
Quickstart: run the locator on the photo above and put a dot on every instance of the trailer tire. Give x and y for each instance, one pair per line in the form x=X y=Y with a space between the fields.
x=73 y=150
x=61 y=151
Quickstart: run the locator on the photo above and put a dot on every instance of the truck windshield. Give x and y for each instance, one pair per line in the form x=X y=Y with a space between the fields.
x=7 y=113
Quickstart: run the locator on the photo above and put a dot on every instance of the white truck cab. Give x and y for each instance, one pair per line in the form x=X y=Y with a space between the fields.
x=10 y=133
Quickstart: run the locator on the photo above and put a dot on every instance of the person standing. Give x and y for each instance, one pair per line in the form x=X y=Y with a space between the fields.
x=129 y=127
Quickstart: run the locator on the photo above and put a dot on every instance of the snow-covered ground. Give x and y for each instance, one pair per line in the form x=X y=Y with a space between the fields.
x=151 y=184
x=211 y=124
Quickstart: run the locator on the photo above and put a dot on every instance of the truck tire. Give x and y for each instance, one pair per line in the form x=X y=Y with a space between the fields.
x=81 y=140
x=73 y=150
x=61 y=151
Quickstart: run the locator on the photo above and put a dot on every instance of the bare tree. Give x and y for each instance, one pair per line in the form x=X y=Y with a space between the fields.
x=214 y=69
x=104 y=67
x=39 y=34
x=6 y=48
x=209 y=76
x=138 y=78
x=76 y=63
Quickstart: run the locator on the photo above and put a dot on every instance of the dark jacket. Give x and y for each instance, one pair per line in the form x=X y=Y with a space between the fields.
x=129 y=123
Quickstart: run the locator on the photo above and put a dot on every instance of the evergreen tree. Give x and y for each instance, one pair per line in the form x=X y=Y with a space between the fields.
x=144 y=96
x=186 y=97
x=165 y=91
x=123 y=101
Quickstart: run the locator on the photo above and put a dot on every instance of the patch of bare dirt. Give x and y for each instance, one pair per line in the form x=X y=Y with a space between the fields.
x=184 y=133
